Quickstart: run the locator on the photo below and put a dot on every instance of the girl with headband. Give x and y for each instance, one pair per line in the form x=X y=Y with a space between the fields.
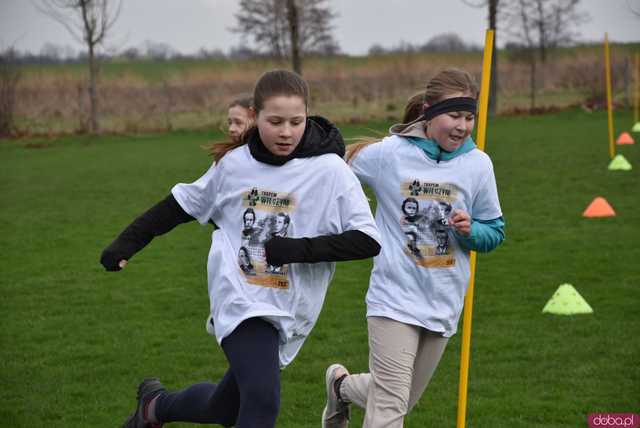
x=437 y=201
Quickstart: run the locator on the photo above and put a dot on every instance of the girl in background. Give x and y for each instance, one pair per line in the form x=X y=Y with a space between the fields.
x=284 y=167
x=240 y=117
x=431 y=168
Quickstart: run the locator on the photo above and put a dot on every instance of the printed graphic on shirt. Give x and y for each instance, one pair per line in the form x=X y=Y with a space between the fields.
x=266 y=215
x=425 y=222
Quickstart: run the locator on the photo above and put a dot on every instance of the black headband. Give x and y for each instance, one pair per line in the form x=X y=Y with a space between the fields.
x=449 y=105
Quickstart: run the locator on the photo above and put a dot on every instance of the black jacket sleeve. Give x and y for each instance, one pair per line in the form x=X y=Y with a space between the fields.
x=159 y=219
x=349 y=245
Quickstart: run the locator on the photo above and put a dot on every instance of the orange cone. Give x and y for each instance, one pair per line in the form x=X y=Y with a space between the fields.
x=625 y=138
x=599 y=207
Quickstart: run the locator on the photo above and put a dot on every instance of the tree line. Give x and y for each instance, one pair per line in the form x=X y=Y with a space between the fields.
x=294 y=29
x=51 y=53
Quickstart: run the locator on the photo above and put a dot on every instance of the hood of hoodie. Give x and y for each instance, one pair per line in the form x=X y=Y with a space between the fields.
x=320 y=137
x=414 y=133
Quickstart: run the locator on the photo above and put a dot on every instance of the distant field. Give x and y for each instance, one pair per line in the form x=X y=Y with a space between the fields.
x=76 y=340
x=147 y=96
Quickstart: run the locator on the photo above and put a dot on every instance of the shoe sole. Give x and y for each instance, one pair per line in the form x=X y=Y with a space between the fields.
x=328 y=387
x=147 y=386
x=324 y=415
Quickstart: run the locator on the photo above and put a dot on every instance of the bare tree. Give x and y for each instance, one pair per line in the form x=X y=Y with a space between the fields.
x=493 y=86
x=287 y=28
x=315 y=27
x=51 y=52
x=158 y=51
x=376 y=49
x=526 y=51
x=88 y=21
x=446 y=42
x=294 y=22
x=634 y=9
x=493 y=21
x=543 y=24
x=539 y=25
x=10 y=75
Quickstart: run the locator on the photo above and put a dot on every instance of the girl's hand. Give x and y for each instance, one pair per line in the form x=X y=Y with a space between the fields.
x=113 y=260
x=461 y=221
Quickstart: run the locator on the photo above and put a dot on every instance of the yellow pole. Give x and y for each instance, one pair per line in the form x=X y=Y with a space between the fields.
x=607 y=68
x=636 y=104
x=468 y=300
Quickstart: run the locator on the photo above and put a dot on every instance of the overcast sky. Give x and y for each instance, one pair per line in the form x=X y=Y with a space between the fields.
x=188 y=25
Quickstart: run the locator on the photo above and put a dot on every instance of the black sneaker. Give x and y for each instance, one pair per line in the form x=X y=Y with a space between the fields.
x=147 y=390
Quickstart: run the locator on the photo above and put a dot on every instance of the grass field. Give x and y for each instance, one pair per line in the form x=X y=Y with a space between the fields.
x=75 y=340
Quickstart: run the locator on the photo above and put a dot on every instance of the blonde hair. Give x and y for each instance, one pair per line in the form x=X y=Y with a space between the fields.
x=446 y=82
x=414 y=106
x=245 y=101
x=218 y=150
x=213 y=148
x=449 y=81
x=352 y=150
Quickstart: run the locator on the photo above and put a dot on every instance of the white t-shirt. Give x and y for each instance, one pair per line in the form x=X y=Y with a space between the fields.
x=421 y=275
x=251 y=202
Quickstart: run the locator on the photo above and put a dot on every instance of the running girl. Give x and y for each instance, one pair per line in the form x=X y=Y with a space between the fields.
x=287 y=206
x=437 y=201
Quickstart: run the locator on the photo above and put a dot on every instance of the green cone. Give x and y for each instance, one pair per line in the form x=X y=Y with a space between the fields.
x=636 y=127
x=619 y=163
x=567 y=301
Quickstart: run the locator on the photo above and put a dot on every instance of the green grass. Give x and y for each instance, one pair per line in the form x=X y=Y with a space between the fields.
x=75 y=340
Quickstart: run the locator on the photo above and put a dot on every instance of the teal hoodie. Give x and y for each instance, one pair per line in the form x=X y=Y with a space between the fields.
x=485 y=235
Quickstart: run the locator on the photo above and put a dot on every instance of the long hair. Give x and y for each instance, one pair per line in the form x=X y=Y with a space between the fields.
x=449 y=81
x=412 y=110
x=446 y=82
x=271 y=84
x=244 y=101
x=414 y=106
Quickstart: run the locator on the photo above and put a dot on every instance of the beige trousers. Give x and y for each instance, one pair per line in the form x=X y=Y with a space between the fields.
x=402 y=360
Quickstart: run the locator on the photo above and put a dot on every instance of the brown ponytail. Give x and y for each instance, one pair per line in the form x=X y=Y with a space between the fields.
x=352 y=150
x=218 y=150
x=270 y=84
x=414 y=106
